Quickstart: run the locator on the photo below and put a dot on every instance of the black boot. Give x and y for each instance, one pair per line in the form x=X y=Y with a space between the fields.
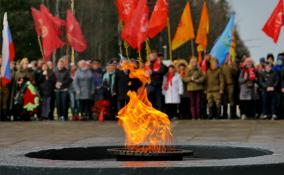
x=233 y=113
x=211 y=112
x=225 y=111
x=219 y=113
x=4 y=116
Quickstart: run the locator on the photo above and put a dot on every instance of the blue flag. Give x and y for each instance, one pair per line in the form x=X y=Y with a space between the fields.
x=222 y=47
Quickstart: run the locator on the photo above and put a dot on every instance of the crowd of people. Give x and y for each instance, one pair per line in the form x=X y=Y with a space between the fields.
x=182 y=89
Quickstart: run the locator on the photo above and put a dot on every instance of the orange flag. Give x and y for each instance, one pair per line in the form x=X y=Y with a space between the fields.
x=159 y=17
x=185 y=30
x=203 y=29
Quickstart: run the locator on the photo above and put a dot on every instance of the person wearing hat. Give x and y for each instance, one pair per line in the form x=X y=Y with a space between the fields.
x=214 y=88
x=110 y=88
x=269 y=82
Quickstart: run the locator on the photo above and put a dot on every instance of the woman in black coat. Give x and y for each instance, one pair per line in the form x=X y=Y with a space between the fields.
x=46 y=87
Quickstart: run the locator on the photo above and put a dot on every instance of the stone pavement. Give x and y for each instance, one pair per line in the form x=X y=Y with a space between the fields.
x=37 y=134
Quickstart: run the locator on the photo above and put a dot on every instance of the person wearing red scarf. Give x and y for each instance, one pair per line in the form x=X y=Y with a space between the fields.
x=172 y=90
x=156 y=70
x=248 y=93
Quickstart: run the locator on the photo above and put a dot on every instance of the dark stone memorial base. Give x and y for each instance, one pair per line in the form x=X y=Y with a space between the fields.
x=101 y=160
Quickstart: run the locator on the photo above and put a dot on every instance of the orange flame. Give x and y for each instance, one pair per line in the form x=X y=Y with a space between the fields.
x=146 y=129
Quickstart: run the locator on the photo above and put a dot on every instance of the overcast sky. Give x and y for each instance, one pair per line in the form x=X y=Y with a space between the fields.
x=251 y=16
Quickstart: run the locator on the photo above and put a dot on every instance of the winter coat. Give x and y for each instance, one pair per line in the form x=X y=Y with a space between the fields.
x=46 y=83
x=64 y=77
x=98 y=80
x=84 y=84
x=157 y=76
x=282 y=79
x=229 y=73
x=214 y=81
x=195 y=80
x=110 y=84
x=122 y=84
x=26 y=74
x=247 y=88
x=174 y=91
x=269 y=79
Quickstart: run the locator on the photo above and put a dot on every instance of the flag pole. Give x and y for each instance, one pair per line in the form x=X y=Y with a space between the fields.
x=148 y=49
x=40 y=46
x=126 y=49
x=140 y=57
x=72 y=49
x=170 y=39
x=192 y=47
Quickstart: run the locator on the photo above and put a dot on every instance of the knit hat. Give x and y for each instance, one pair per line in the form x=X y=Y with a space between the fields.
x=248 y=61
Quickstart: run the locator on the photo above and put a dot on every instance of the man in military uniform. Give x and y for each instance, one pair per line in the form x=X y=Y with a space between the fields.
x=214 y=88
x=230 y=71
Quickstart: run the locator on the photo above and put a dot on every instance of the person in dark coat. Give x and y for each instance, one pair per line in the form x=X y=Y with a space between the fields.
x=63 y=81
x=46 y=80
x=110 y=89
x=182 y=70
x=279 y=66
x=122 y=87
x=98 y=74
x=269 y=82
x=157 y=70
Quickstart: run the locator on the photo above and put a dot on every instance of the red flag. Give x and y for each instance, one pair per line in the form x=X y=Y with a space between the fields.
x=135 y=30
x=125 y=8
x=274 y=24
x=158 y=20
x=45 y=29
x=36 y=15
x=75 y=37
x=56 y=21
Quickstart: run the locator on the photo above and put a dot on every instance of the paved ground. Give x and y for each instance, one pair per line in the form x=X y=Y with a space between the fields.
x=219 y=138
x=37 y=134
